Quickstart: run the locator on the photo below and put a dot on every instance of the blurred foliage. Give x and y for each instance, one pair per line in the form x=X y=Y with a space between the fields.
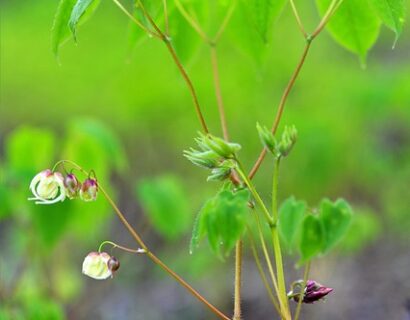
x=126 y=114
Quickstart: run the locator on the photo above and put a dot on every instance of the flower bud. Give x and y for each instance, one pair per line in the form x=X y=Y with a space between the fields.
x=221 y=147
x=223 y=172
x=313 y=292
x=204 y=159
x=89 y=189
x=113 y=264
x=287 y=141
x=48 y=187
x=267 y=138
x=96 y=266
x=72 y=186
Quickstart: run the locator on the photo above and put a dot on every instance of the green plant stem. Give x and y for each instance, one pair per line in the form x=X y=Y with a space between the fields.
x=298 y=20
x=262 y=272
x=302 y=290
x=166 y=18
x=114 y=245
x=139 y=240
x=138 y=23
x=332 y=9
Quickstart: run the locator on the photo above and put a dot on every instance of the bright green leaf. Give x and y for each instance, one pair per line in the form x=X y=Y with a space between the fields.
x=224 y=220
x=165 y=203
x=291 y=215
x=79 y=10
x=60 y=31
x=354 y=25
x=199 y=228
x=263 y=14
x=392 y=13
x=312 y=238
x=335 y=218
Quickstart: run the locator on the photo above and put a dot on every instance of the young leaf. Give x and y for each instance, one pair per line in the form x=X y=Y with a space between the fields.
x=165 y=203
x=199 y=229
x=355 y=25
x=335 y=218
x=312 y=238
x=224 y=219
x=291 y=215
x=263 y=14
x=80 y=9
x=392 y=13
x=60 y=31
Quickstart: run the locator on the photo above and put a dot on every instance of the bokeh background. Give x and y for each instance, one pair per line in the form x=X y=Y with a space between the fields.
x=126 y=113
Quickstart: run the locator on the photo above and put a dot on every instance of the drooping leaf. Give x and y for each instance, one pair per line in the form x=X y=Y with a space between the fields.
x=81 y=8
x=392 y=13
x=335 y=219
x=312 y=238
x=355 y=25
x=291 y=215
x=164 y=202
x=263 y=14
x=60 y=31
x=223 y=219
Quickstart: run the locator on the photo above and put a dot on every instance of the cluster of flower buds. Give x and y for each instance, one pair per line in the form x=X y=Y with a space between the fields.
x=279 y=148
x=312 y=292
x=49 y=187
x=214 y=154
x=100 y=265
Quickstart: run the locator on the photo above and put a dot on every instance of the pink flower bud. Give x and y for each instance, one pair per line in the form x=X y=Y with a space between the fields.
x=113 y=264
x=89 y=189
x=313 y=292
x=72 y=186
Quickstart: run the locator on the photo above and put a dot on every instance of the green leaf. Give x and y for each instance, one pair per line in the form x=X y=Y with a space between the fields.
x=335 y=218
x=60 y=31
x=392 y=13
x=199 y=228
x=291 y=215
x=165 y=203
x=312 y=238
x=28 y=151
x=263 y=14
x=355 y=25
x=224 y=220
x=79 y=10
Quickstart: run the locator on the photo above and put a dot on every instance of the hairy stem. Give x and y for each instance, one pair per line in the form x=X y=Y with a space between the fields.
x=305 y=279
x=237 y=312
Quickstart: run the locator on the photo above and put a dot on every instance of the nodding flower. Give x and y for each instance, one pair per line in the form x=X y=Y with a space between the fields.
x=48 y=187
x=100 y=265
x=313 y=292
x=72 y=185
x=89 y=189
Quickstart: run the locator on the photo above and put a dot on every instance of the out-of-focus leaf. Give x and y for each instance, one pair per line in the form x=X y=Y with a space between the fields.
x=44 y=308
x=364 y=228
x=224 y=217
x=28 y=151
x=81 y=8
x=392 y=13
x=291 y=215
x=263 y=14
x=355 y=25
x=199 y=228
x=165 y=203
x=312 y=238
x=335 y=218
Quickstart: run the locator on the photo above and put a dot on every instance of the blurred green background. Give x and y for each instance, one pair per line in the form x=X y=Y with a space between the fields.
x=127 y=114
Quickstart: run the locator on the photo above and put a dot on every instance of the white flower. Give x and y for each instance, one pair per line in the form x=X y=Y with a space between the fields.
x=48 y=187
x=95 y=266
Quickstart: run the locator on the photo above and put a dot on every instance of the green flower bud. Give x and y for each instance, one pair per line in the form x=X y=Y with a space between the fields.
x=288 y=140
x=267 y=138
x=220 y=146
x=223 y=172
x=205 y=159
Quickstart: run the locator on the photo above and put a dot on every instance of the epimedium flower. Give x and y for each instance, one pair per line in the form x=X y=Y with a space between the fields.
x=89 y=190
x=313 y=292
x=100 y=265
x=48 y=187
x=72 y=185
